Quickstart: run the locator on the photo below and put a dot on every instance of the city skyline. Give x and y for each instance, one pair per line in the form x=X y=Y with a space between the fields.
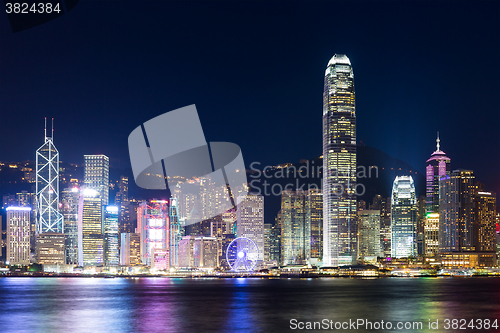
x=370 y=206
x=340 y=142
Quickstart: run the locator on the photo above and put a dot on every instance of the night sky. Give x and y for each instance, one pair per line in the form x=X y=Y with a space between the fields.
x=255 y=72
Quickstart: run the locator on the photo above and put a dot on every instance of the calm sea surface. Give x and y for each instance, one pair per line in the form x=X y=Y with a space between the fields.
x=240 y=305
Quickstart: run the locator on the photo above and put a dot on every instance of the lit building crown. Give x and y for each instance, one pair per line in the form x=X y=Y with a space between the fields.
x=339 y=59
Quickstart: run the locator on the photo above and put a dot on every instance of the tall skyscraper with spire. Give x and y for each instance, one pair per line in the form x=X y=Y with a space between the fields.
x=438 y=166
x=339 y=164
x=49 y=219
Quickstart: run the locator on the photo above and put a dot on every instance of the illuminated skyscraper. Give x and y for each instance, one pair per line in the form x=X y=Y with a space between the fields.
x=90 y=237
x=403 y=218
x=467 y=222
x=153 y=225
x=110 y=233
x=96 y=175
x=295 y=231
x=339 y=164
x=267 y=241
x=250 y=220
x=122 y=201
x=314 y=218
x=456 y=215
x=69 y=208
x=47 y=186
x=18 y=235
x=485 y=209
x=369 y=233
x=175 y=232
x=431 y=234
x=130 y=249
x=438 y=166
x=384 y=205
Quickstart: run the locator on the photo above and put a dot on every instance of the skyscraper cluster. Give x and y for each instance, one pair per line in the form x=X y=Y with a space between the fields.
x=78 y=227
x=455 y=218
x=454 y=222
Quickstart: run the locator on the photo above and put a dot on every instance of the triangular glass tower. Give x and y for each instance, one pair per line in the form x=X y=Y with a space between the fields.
x=49 y=219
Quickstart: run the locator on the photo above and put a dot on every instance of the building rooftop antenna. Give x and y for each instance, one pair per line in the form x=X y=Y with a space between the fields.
x=437 y=142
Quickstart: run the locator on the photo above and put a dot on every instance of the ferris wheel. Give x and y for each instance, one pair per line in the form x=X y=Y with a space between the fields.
x=242 y=254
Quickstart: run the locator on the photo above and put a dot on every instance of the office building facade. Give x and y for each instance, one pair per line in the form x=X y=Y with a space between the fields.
x=18 y=235
x=50 y=248
x=403 y=218
x=431 y=234
x=438 y=166
x=339 y=164
x=368 y=234
x=96 y=175
x=49 y=219
x=110 y=235
x=250 y=220
x=90 y=236
x=457 y=229
x=130 y=249
x=69 y=209
x=153 y=226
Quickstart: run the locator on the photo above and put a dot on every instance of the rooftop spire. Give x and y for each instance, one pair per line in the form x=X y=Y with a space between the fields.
x=437 y=142
x=45 y=129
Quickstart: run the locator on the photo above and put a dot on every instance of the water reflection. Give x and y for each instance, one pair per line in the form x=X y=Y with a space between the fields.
x=232 y=305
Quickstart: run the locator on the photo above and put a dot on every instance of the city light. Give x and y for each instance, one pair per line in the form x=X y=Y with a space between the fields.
x=112 y=209
x=18 y=208
x=89 y=192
